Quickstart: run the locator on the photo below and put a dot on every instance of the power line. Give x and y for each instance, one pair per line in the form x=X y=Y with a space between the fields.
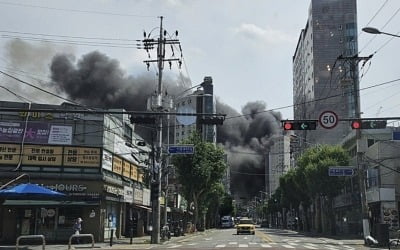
x=65 y=36
x=75 y=10
x=72 y=42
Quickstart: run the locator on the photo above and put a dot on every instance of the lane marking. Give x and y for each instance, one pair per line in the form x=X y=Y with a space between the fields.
x=264 y=237
x=243 y=245
x=175 y=246
x=220 y=246
x=232 y=243
x=265 y=245
x=310 y=247
x=288 y=246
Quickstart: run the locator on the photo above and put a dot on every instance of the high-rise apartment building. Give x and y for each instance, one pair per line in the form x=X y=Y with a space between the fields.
x=279 y=161
x=319 y=78
x=200 y=101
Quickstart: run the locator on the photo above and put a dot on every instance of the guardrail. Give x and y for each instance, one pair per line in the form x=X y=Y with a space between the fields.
x=80 y=236
x=31 y=237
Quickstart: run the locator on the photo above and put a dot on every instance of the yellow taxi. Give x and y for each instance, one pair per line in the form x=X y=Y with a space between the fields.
x=246 y=225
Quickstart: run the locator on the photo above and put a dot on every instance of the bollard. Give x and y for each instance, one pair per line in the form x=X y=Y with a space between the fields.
x=111 y=237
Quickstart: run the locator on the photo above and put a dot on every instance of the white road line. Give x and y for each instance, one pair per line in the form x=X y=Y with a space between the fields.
x=309 y=247
x=232 y=243
x=192 y=244
x=265 y=245
x=219 y=246
x=292 y=243
x=350 y=248
x=253 y=243
x=288 y=246
x=331 y=247
x=175 y=246
x=243 y=245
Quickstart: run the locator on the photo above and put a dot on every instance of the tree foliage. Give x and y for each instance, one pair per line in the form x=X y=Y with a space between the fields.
x=199 y=173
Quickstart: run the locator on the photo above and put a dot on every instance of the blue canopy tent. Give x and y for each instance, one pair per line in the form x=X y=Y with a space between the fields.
x=30 y=191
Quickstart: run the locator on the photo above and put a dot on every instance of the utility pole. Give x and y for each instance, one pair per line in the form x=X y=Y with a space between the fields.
x=158 y=103
x=351 y=64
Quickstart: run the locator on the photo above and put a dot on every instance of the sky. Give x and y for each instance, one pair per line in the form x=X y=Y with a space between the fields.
x=246 y=46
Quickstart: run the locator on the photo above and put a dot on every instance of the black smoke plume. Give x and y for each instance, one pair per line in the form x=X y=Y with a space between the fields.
x=247 y=139
x=96 y=80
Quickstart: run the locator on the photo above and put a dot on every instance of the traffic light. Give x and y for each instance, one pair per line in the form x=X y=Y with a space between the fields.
x=299 y=125
x=143 y=119
x=368 y=124
x=213 y=120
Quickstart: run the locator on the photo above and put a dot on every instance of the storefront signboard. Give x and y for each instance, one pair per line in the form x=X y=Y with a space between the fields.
x=81 y=157
x=42 y=155
x=138 y=196
x=140 y=177
x=36 y=132
x=114 y=190
x=107 y=160
x=126 y=169
x=134 y=172
x=75 y=190
x=9 y=153
x=60 y=135
x=146 y=196
x=128 y=194
x=117 y=165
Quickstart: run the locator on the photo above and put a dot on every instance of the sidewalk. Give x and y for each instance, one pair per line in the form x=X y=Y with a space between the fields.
x=346 y=239
x=121 y=243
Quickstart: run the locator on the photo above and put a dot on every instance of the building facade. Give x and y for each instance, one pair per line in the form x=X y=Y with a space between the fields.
x=92 y=157
x=200 y=101
x=279 y=161
x=320 y=80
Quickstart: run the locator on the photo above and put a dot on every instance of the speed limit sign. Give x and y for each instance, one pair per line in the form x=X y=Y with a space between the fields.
x=328 y=119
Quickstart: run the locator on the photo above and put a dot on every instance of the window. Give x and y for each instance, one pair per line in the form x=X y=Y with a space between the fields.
x=128 y=132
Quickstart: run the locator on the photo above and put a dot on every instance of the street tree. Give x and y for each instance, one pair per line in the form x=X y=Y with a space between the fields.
x=200 y=172
x=315 y=163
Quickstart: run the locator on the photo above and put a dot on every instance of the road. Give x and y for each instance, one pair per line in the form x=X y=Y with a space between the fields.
x=228 y=239
x=263 y=239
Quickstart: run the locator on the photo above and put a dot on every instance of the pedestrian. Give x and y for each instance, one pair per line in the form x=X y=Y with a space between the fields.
x=77 y=228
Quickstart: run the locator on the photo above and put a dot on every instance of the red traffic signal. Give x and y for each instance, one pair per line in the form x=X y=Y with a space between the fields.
x=356 y=124
x=287 y=126
x=299 y=125
x=368 y=124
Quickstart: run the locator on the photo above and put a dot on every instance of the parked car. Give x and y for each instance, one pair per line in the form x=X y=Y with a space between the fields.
x=245 y=225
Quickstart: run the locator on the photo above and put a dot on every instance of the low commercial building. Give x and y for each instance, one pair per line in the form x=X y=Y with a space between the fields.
x=92 y=157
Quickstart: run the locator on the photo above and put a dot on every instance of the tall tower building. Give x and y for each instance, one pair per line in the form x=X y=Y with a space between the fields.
x=319 y=79
x=200 y=101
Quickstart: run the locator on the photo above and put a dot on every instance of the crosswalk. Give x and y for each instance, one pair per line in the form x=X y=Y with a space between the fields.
x=260 y=245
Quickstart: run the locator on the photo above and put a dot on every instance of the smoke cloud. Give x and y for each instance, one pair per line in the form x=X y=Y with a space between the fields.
x=96 y=80
x=247 y=139
x=30 y=62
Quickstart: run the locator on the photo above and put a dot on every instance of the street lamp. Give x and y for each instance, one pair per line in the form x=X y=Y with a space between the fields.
x=375 y=31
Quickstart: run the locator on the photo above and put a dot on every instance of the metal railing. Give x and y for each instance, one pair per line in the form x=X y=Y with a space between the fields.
x=31 y=237
x=80 y=236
